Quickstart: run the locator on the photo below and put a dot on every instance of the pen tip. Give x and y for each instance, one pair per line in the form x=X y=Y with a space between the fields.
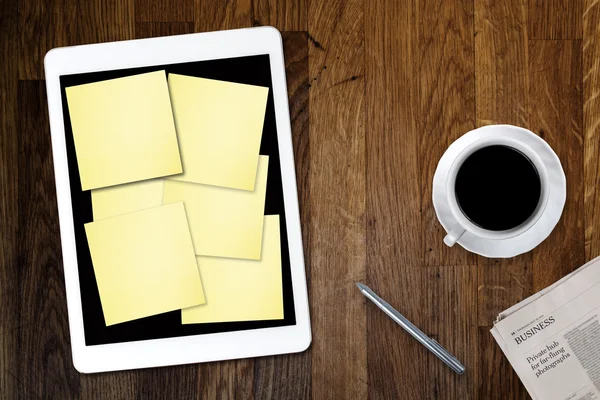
x=360 y=286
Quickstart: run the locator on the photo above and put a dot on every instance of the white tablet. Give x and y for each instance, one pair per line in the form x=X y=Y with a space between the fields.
x=247 y=56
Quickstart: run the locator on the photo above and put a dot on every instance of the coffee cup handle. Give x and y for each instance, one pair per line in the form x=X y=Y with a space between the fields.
x=453 y=235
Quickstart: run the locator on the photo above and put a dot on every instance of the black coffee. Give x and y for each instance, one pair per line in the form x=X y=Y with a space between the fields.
x=497 y=188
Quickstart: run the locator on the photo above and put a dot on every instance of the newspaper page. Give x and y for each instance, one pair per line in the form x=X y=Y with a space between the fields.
x=537 y=295
x=553 y=340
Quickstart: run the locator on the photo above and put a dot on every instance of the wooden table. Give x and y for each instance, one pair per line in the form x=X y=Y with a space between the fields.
x=378 y=90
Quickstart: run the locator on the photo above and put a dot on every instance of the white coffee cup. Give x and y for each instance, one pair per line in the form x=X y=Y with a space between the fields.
x=463 y=223
x=510 y=242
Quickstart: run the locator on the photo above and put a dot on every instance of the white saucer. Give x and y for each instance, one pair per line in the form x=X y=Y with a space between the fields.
x=540 y=230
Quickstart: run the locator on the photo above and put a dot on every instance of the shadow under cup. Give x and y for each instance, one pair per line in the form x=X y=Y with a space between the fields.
x=498 y=188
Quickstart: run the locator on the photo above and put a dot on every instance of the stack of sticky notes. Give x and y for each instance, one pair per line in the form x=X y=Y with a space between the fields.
x=178 y=195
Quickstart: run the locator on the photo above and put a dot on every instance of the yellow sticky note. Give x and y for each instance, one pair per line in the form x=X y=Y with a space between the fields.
x=219 y=126
x=144 y=263
x=224 y=222
x=122 y=199
x=123 y=130
x=242 y=290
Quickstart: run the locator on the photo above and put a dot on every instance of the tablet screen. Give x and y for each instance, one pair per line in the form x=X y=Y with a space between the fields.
x=250 y=70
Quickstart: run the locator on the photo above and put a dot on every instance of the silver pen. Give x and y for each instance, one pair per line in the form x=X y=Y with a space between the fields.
x=415 y=332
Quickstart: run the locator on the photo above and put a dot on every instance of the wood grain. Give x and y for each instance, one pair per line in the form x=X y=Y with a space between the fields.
x=497 y=380
x=337 y=203
x=44 y=368
x=501 y=62
x=232 y=14
x=501 y=284
x=40 y=29
x=447 y=106
x=295 y=47
x=226 y=380
x=284 y=15
x=56 y=23
x=378 y=89
x=112 y=20
x=555 y=82
x=555 y=19
x=394 y=244
x=452 y=321
x=10 y=321
x=155 y=29
x=178 y=382
x=164 y=11
x=215 y=15
x=591 y=126
x=120 y=385
x=283 y=377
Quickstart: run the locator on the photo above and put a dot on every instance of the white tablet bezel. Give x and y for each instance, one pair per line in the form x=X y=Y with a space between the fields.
x=173 y=50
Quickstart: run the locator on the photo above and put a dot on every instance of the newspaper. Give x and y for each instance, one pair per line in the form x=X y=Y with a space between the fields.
x=552 y=339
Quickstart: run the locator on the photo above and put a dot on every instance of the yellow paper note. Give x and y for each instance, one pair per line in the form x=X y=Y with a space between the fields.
x=219 y=126
x=224 y=222
x=242 y=290
x=144 y=263
x=123 y=130
x=122 y=199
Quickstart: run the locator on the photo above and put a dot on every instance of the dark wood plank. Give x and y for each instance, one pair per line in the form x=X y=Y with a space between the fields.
x=41 y=27
x=289 y=376
x=178 y=382
x=104 y=21
x=226 y=380
x=120 y=385
x=295 y=48
x=497 y=379
x=452 y=320
x=555 y=112
x=502 y=84
x=555 y=19
x=288 y=15
x=244 y=371
x=501 y=62
x=56 y=23
x=10 y=320
x=44 y=355
x=394 y=250
x=446 y=107
x=214 y=15
x=283 y=377
x=154 y=29
x=502 y=283
x=337 y=199
x=591 y=126
x=164 y=11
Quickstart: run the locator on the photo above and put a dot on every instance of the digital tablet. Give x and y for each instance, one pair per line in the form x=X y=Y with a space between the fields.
x=251 y=57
